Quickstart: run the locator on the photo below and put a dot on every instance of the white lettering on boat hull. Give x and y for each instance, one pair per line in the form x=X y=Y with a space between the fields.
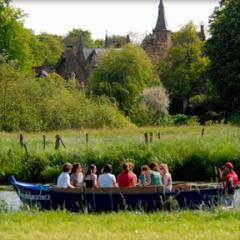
x=32 y=197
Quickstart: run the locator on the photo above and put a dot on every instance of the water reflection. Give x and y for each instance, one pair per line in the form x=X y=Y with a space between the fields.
x=12 y=200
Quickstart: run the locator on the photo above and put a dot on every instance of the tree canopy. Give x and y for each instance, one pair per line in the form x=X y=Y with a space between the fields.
x=14 y=38
x=122 y=74
x=181 y=71
x=45 y=48
x=72 y=38
x=224 y=52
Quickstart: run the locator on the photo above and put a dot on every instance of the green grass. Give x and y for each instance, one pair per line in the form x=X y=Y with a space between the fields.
x=182 y=148
x=75 y=140
x=58 y=225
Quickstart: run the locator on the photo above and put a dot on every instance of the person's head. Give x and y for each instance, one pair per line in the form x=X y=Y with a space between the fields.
x=67 y=167
x=76 y=167
x=92 y=169
x=126 y=167
x=145 y=169
x=163 y=167
x=131 y=166
x=107 y=168
x=154 y=167
x=228 y=167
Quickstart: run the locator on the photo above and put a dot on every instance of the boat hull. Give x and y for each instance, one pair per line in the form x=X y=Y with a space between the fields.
x=115 y=199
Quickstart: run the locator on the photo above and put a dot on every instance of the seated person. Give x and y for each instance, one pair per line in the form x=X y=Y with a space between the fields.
x=230 y=180
x=76 y=177
x=126 y=178
x=131 y=167
x=107 y=179
x=91 y=177
x=144 y=179
x=156 y=178
x=63 y=180
x=166 y=177
x=228 y=176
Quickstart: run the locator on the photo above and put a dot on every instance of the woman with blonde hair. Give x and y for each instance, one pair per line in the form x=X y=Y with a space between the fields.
x=131 y=167
x=166 y=177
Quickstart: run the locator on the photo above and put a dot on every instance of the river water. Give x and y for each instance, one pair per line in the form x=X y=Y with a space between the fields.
x=9 y=200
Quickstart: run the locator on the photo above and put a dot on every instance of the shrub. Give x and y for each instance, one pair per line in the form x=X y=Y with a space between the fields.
x=142 y=115
x=50 y=104
x=181 y=119
x=235 y=119
x=156 y=99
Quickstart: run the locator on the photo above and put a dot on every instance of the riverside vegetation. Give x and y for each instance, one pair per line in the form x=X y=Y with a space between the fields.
x=191 y=154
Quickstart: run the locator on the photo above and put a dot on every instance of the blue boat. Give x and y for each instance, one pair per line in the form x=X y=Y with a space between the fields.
x=115 y=199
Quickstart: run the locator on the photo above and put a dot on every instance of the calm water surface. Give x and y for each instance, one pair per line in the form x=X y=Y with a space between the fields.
x=11 y=198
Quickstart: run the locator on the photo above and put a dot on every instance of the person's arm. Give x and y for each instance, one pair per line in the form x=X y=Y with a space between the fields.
x=135 y=180
x=114 y=181
x=96 y=182
x=224 y=180
x=72 y=181
x=69 y=183
x=165 y=180
x=147 y=180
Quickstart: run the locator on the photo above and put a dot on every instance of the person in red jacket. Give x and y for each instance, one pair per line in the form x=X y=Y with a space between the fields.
x=229 y=177
x=126 y=178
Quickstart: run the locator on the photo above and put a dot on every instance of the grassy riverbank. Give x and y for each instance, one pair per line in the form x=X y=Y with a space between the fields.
x=181 y=147
x=192 y=225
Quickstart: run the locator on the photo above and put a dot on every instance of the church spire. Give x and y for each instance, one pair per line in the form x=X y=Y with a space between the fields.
x=80 y=53
x=161 y=21
x=80 y=44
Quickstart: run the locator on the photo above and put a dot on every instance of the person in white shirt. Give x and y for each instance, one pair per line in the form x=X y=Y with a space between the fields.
x=107 y=179
x=63 y=180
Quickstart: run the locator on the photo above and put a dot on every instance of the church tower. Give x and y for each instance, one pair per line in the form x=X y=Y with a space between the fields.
x=159 y=42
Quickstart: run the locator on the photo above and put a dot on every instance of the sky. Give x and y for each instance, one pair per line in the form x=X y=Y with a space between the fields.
x=119 y=17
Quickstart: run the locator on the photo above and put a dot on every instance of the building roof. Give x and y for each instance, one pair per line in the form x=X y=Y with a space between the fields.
x=161 y=21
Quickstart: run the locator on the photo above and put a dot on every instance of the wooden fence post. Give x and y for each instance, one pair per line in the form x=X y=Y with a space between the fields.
x=62 y=142
x=25 y=147
x=146 y=138
x=87 y=138
x=159 y=135
x=21 y=139
x=151 y=137
x=44 y=142
x=58 y=142
x=202 y=134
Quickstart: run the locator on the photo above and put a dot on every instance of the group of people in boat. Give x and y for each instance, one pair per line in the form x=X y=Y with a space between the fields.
x=151 y=175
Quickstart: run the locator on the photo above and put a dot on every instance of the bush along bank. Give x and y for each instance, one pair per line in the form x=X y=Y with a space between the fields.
x=194 y=160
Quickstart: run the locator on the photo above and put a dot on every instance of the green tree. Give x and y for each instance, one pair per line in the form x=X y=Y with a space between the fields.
x=122 y=74
x=45 y=48
x=182 y=70
x=117 y=41
x=224 y=51
x=72 y=38
x=14 y=38
x=19 y=98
